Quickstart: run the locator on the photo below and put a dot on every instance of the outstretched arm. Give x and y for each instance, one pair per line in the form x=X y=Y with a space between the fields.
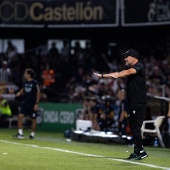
x=120 y=74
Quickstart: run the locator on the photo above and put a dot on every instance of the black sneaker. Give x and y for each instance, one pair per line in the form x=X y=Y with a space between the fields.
x=31 y=137
x=18 y=136
x=143 y=154
x=134 y=156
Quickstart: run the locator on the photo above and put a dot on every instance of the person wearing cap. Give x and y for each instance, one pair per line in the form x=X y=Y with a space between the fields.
x=136 y=97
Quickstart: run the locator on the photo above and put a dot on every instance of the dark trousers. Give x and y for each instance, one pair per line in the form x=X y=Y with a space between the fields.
x=137 y=113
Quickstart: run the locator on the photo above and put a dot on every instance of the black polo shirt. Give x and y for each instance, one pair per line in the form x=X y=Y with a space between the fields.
x=136 y=85
x=30 y=91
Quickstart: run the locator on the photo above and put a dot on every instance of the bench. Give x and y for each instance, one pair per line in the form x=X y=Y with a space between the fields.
x=14 y=118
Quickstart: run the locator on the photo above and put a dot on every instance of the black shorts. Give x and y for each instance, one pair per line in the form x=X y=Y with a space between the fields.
x=28 y=110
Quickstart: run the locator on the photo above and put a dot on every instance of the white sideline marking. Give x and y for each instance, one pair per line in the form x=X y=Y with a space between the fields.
x=91 y=155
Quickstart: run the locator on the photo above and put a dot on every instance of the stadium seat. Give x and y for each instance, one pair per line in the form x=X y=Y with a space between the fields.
x=83 y=125
x=157 y=123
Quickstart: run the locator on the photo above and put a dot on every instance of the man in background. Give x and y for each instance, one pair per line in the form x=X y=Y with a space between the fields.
x=29 y=106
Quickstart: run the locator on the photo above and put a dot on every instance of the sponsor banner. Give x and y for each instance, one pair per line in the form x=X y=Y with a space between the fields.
x=145 y=12
x=58 y=117
x=59 y=13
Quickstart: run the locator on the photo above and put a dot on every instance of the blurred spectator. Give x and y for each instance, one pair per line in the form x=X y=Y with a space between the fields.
x=108 y=114
x=112 y=65
x=86 y=108
x=11 y=51
x=65 y=51
x=77 y=78
x=53 y=51
x=101 y=88
x=96 y=111
x=48 y=76
x=5 y=111
x=89 y=55
x=78 y=57
x=124 y=128
x=79 y=94
x=53 y=55
x=15 y=70
x=5 y=73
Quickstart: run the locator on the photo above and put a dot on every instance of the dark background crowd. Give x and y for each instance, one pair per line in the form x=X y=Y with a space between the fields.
x=70 y=68
x=65 y=75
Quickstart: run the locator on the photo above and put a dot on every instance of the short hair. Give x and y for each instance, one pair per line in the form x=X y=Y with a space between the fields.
x=30 y=72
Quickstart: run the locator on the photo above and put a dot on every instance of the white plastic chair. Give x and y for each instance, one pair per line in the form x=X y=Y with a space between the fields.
x=157 y=123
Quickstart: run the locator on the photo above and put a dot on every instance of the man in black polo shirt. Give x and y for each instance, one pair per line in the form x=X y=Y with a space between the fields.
x=29 y=106
x=136 y=97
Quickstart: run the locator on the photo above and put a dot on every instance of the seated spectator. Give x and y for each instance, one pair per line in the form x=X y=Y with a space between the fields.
x=108 y=110
x=96 y=110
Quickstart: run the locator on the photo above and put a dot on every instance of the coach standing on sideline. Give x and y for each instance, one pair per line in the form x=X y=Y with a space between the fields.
x=136 y=97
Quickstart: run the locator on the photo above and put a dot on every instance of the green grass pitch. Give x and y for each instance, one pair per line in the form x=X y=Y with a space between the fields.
x=51 y=151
